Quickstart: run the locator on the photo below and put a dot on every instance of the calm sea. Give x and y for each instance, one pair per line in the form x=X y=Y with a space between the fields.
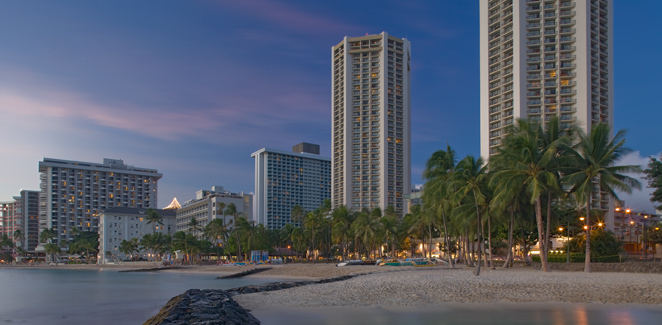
x=48 y=296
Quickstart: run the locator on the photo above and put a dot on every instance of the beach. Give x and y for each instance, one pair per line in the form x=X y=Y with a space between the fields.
x=405 y=291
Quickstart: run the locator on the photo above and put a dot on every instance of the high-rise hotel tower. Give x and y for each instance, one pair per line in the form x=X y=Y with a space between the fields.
x=74 y=193
x=371 y=154
x=544 y=58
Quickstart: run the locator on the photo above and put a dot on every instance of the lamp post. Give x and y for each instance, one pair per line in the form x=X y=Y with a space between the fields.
x=567 y=243
x=631 y=224
x=645 y=244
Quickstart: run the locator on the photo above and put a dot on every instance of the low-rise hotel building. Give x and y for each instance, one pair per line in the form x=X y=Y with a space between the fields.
x=207 y=205
x=118 y=224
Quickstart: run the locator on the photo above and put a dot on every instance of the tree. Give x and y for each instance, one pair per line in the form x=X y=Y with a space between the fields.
x=654 y=177
x=153 y=218
x=186 y=243
x=312 y=224
x=530 y=163
x=52 y=249
x=128 y=247
x=437 y=192
x=298 y=215
x=389 y=224
x=217 y=230
x=593 y=170
x=19 y=237
x=85 y=242
x=232 y=210
x=194 y=226
x=47 y=235
x=469 y=178
x=341 y=227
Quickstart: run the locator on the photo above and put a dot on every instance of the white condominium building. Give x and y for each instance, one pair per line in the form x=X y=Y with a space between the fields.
x=371 y=131
x=284 y=179
x=207 y=206
x=119 y=224
x=541 y=59
x=74 y=193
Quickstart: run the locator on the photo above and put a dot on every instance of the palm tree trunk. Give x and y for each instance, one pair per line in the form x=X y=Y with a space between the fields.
x=587 y=261
x=549 y=222
x=510 y=239
x=489 y=241
x=541 y=237
x=480 y=233
x=448 y=246
x=430 y=241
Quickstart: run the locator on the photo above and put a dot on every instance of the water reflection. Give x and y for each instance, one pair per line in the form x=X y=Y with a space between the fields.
x=522 y=313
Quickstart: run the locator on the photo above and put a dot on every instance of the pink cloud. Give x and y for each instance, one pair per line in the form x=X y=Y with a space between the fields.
x=290 y=18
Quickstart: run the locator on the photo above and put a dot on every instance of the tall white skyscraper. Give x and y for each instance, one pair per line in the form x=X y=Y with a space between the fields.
x=371 y=131
x=544 y=58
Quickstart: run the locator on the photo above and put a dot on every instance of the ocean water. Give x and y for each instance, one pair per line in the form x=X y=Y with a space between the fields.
x=52 y=296
x=468 y=314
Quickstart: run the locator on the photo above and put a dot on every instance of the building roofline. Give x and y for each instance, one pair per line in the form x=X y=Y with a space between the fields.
x=296 y=154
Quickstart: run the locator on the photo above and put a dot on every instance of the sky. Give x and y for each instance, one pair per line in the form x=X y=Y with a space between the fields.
x=192 y=88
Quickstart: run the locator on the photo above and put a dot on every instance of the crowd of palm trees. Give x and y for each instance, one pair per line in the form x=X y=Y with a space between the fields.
x=536 y=173
x=542 y=176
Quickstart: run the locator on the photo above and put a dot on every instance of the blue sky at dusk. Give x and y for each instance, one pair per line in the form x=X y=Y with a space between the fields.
x=192 y=88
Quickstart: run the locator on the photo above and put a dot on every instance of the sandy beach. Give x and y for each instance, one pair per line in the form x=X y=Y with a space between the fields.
x=395 y=295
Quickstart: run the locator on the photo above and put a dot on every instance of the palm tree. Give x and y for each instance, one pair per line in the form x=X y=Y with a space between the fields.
x=19 y=237
x=47 y=235
x=312 y=224
x=365 y=229
x=217 y=230
x=297 y=236
x=389 y=225
x=194 y=227
x=469 y=179
x=593 y=170
x=128 y=247
x=439 y=168
x=425 y=221
x=232 y=210
x=52 y=249
x=341 y=224
x=530 y=163
x=186 y=243
x=154 y=218
x=298 y=215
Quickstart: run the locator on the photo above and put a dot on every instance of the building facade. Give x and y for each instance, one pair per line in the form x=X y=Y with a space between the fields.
x=74 y=193
x=371 y=129
x=541 y=59
x=27 y=211
x=285 y=179
x=207 y=206
x=7 y=220
x=119 y=224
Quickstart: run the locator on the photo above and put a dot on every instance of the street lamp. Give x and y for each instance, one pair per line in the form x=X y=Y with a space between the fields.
x=631 y=225
x=645 y=244
x=567 y=243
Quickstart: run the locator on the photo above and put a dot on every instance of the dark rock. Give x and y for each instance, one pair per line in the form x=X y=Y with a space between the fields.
x=245 y=273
